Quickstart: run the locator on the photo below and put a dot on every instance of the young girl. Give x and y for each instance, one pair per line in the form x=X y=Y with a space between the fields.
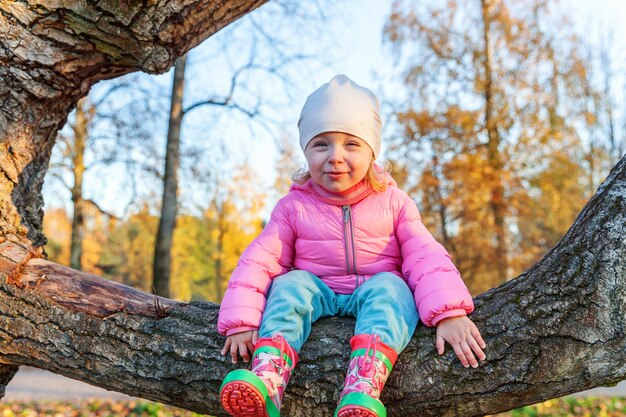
x=344 y=241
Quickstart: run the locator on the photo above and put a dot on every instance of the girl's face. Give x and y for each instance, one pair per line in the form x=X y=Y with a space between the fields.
x=337 y=161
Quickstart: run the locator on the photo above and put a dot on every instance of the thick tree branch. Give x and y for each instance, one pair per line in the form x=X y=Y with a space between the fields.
x=556 y=329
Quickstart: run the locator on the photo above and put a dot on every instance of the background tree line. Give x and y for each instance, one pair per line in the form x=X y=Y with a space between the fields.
x=508 y=125
x=507 y=122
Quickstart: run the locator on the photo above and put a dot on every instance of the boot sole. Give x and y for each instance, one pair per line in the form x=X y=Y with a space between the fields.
x=242 y=399
x=361 y=405
x=243 y=394
x=355 y=410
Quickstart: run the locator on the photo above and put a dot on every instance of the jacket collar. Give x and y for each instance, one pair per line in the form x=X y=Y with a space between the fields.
x=348 y=197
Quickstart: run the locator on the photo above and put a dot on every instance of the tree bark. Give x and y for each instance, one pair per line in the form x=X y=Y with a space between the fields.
x=558 y=328
x=52 y=52
x=163 y=245
x=7 y=372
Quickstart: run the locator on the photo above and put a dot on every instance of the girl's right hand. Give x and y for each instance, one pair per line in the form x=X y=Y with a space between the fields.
x=240 y=343
x=463 y=335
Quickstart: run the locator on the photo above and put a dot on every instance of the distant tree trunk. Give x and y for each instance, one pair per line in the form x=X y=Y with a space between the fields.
x=497 y=202
x=219 y=250
x=558 y=328
x=167 y=221
x=81 y=132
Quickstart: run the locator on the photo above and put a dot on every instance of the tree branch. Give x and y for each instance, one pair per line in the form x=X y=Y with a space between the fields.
x=558 y=328
x=101 y=210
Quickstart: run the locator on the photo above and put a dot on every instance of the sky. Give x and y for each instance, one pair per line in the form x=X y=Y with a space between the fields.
x=359 y=52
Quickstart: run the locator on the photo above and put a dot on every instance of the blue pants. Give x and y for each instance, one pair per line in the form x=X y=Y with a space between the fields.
x=383 y=305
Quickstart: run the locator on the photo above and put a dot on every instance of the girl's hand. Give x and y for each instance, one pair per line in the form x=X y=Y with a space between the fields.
x=240 y=343
x=463 y=335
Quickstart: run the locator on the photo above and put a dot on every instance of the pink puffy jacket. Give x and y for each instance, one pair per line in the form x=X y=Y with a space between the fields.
x=345 y=246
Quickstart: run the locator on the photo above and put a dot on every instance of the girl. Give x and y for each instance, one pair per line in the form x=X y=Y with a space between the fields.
x=344 y=241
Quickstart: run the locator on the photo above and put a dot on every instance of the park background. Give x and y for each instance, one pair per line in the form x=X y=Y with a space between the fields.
x=498 y=196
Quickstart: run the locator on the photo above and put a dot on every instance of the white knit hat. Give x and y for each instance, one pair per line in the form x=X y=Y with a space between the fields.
x=341 y=105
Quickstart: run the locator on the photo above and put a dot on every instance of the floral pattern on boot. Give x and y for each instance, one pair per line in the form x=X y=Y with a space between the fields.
x=366 y=375
x=370 y=365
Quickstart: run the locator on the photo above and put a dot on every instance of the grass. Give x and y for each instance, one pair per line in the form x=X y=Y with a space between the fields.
x=562 y=407
x=91 y=408
x=573 y=407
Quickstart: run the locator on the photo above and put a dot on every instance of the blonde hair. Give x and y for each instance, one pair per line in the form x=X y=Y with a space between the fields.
x=375 y=176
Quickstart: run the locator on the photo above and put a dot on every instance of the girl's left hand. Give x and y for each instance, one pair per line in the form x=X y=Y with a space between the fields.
x=463 y=335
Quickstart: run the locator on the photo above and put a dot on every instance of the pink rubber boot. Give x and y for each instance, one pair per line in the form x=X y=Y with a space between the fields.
x=370 y=365
x=259 y=391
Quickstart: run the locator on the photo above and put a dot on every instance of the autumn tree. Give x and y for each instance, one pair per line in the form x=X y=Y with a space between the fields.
x=58 y=229
x=105 y=129
x=122 y=249
x=490 y=87
x=96 y=228
x=126 y=255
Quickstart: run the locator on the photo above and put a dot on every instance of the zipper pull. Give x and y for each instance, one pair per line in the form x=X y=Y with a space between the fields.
x=346 y=214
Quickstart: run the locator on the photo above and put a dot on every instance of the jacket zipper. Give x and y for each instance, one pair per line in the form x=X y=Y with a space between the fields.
x=348 y=235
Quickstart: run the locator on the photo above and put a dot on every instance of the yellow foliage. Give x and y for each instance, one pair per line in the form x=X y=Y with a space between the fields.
x=492 y=135
x=57 y=227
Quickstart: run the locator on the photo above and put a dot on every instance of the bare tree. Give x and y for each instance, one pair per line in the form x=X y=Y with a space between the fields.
x=83 y=148
x=167 y=221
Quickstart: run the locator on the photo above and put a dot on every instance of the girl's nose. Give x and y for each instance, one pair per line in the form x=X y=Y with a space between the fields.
x=335 y=154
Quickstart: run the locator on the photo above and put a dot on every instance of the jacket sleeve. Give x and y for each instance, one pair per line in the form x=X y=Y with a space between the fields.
x=437 y=286
x=269 y=255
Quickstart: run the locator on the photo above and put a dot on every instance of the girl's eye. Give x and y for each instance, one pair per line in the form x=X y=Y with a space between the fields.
x=318 y=144
x=353 y=143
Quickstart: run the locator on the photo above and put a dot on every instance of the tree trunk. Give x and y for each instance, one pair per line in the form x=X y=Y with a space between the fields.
x=7 y=372
x=497 y=203
x=81 y=132
x=167 y=221
x=558 y=328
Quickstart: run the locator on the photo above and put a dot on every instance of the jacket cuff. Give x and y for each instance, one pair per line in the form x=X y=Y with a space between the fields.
x=459 y=312
x=240 y=329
